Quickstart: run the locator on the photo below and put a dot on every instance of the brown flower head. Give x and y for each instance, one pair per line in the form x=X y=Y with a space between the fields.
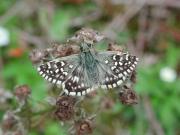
x=114 y=47
x=9 y=121
x=87 y=35
x=83 y=127
x=37 y=55
x=61 y=50
x=128 y=96
x=133 y=77
x=22 y=92
x=107 y=103
x=65 y=108
x=18 y=132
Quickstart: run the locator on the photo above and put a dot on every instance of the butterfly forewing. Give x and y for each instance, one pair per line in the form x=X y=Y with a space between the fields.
x=58 y=70
x=121 y=66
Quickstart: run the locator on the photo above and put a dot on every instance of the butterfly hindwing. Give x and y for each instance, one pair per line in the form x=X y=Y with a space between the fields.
x=77 y=83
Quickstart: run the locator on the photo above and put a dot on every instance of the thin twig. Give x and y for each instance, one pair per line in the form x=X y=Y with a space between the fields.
x=120 y=21
x=154 y=123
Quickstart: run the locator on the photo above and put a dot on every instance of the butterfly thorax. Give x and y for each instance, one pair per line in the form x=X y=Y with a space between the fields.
x=89 y=64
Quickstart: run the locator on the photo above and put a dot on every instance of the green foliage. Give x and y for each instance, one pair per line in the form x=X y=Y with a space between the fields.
x=21 y=71
x=164 y=96
x=60 y=25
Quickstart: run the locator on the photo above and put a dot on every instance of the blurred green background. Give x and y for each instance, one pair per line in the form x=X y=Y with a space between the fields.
x=149 y=29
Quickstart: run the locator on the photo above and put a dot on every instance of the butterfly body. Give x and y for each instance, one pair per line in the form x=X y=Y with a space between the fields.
x=82 y=73
x=89 y=64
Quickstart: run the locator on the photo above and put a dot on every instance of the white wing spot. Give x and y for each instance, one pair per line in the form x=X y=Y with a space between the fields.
x=75 y=79
x=120 y=63
x=114 y=57
x=43 y=75
x=49 y=65
x=54 y=80
x=131 y=68
x=127 y=57
x=41 y=72
x=106 y=61
x=110 y=86
x=58 y=82
x=78 y=93
x=72 y=93
x=70 y=66
x=62 y=63
x=46 y=77
x=62 y=69
x=83 y=92
x=112 y=68
x=114 y=85
x=128 y=71
x=88 y=90
x=82 y=85
x=57 y=70
x=49 y=79
x=39 y=69
x=119 y=82
x=120 y=75
x=125 y=73
x=65 y=73
x=66 y=91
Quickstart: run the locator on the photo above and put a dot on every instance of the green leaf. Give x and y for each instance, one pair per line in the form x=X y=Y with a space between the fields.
x=60 y=25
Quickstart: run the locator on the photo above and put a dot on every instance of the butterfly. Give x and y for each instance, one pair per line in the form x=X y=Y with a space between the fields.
x=79 y=74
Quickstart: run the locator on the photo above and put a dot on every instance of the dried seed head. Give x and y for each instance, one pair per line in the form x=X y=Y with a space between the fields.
x=87 y=35
x=65 y=50
x=128 y=96
x=19 y=132
x=65 y=101
x=107 y=103
x=37 y=55
x=83 y=127
x=22 y=92
x=114 y=47
x=65 y=108
x=9 y=121
x=133 y=77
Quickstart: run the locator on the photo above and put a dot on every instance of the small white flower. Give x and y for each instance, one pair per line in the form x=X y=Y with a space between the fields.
x=4 y=36
x=168 y=74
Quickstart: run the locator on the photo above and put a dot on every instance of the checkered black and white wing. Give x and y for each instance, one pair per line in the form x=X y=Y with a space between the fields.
x=78 y=83
x=118 y=66
x=58 y=70
x=68 y=73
